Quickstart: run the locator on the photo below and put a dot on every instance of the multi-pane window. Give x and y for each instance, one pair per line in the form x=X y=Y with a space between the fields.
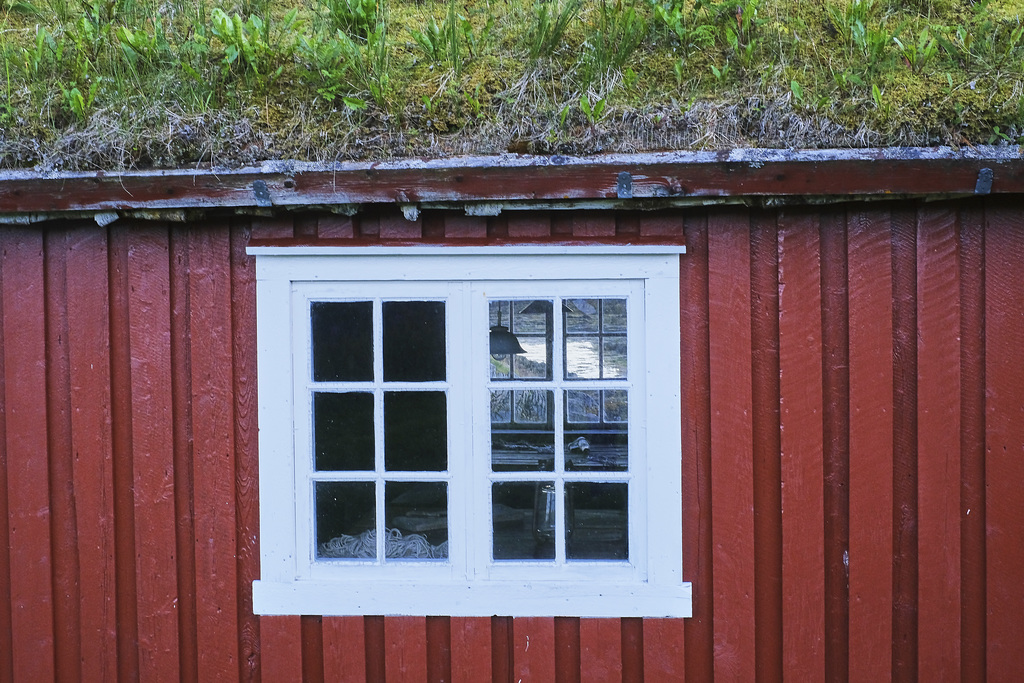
x=483 y=444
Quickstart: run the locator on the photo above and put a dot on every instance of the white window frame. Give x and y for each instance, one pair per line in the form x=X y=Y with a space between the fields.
x=292 y=581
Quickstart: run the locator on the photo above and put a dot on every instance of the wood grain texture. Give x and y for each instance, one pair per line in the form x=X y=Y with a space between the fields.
x=802 y=473
x=28 y=478
x=344 y=655
x=405 y=649
x=281 y=648
x=871 y=446
x=664 y=650
x=247 y=549
x=938 y=435
x=732 y=476
x=533 y=657
x=601 y=650
x=153 y=454
x=91 y=434
x=471 y=649
x=213 y=462
x=1004 y=464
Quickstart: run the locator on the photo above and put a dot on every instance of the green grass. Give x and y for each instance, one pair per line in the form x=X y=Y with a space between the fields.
x=136 y=83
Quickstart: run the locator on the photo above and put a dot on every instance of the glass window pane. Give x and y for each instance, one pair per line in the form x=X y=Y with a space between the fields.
x=414 y=341
x=523 y=520
x=583 y=358
x=533 y=364
x=596 y=520
x=526 y=323
x=583 y=406
x=582 y=315
x=597 y=450
x=343 y=431
x=415 y=431
x=613 y=365
x=346 y=519
x=615 y=405
x=416 y=517
x=613 y=317
x=522 y=431
x=342 y=341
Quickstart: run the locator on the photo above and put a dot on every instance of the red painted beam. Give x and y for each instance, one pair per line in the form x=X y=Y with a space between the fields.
x=673 y=175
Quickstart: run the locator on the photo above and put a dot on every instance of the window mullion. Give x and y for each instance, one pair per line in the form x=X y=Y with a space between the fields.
x=558 y=377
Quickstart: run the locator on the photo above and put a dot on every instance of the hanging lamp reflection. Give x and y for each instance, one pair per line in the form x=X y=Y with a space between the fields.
x=503 y=342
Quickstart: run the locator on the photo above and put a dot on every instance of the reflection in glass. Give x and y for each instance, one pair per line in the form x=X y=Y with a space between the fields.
x=597 y=525
x=416 y=518
x=583 y=358
x=522 y=433
x=613 y=362
x=343 y=431
x=583 y=406
x=597 y=451
x=613 y=315
x=415 y=431
x=414 y=341
x=345 y=519
x=531 y=322
x=342 y=335
x=520 y=531
x=582 y=315
x=616 y=408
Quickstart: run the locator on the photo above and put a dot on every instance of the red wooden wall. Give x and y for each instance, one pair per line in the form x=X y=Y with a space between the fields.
x=853 y=457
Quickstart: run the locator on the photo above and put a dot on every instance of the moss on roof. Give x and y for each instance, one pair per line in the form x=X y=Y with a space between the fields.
x=115 y=84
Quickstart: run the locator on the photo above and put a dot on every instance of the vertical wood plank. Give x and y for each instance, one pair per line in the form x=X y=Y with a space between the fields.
x=732 y=505
x=836 y=442
x=93 y=467
x=567 y=649
x=280 y=648
x=66 y=587
x=938 y=478
x=698 y=544
x=6 y=635
x=1004 y=465
x=28 y=479
x=502 y=649
x=601 y=650
x=213 y=459
x=803 y=542
x=871 y=446
x=664 y=648
x=533 y=656
x=123 y=456
x=471 y=649
x=344 y=649
x=153 y=454
x=243 y=325
x=972 y=444
x=405 y=642
x=439 y=649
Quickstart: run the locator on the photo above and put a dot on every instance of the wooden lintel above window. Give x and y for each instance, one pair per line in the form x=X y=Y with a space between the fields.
x=487 y=184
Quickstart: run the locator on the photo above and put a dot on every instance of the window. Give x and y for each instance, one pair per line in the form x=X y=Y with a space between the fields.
x=469 y=431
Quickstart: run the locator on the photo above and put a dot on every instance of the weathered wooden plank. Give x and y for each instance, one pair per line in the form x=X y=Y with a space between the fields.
x=696 y=449
x=405 y=642
x=802 y=473
x=93 y=466
x=600 y=650
x=938 y=434
x=152 y=438
x=243 y=325
x=732 y=476
x=344 y=649
x=6 y=635
x=765 y=426
x=904 y=474
x=213 y=459
x=28 y=479
x=533 y=657
x=972 y=444
x=123 y=455
x=836 y=442
x=869 y=245
x=280 y=648
x=471 y=649
x=680 y=174
x=67 y=615
x=1004 y=464
x=664 y=648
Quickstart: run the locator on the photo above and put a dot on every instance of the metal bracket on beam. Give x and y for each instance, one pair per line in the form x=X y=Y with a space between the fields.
x=624 y=186
x=984 y=184
x=262 y=193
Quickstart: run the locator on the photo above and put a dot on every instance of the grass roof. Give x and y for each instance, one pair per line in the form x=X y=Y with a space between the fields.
x=115 y=84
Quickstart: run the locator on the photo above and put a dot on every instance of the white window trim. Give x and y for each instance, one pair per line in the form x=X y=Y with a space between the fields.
x=652 y=588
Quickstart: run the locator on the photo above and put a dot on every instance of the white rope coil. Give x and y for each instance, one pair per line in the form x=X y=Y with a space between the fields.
x=396 y=545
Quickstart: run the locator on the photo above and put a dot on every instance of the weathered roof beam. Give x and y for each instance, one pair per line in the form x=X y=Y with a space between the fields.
x=618 y=179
